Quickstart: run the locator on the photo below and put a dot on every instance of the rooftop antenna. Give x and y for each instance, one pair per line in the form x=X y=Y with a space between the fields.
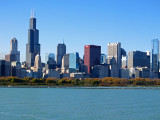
x=63 y=40
x=33 y=13
x=59 y=41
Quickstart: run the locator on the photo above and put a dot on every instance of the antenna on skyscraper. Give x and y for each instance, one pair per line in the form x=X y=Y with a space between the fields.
x=33 y=13
x=63 y=40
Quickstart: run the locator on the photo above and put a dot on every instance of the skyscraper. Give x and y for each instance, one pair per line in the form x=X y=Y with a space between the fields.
x=92 y=56
x=50 y=62
x=50 y=58
x=65 y=63
x=74 y=62
x=37 y=62
x=33 y=46
x=61 y=50
x=5 y=68
x=138 y=59
x=114 y=54
x=103 y=59
x=154 y=56
x=124 y=62
x=14 y=54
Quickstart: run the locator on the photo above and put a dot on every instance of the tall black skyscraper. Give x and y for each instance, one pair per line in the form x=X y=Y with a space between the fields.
x=61 y=50
x=33 y=46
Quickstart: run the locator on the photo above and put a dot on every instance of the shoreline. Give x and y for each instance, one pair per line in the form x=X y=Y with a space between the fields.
x=86 y=87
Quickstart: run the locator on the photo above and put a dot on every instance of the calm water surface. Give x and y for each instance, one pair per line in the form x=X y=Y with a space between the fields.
x=79 y=104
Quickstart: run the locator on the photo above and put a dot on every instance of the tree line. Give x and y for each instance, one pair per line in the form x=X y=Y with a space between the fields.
x=107 y=81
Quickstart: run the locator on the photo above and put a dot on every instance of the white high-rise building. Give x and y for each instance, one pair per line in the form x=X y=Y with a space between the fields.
x=114 y=54
x=37 y=63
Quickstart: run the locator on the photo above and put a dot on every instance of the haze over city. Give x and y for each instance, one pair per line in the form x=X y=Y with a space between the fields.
x=133 y=23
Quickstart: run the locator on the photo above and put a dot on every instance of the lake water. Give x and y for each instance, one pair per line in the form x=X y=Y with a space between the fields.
x=79 y=104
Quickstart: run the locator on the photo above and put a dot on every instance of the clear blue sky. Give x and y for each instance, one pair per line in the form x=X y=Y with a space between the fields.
x=80 y=22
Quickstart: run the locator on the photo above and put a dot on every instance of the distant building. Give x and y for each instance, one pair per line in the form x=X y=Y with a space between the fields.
x=124 y=73
x=83 y=68
x=50 y=58
x=16 y=69
x=123 y=52
x=23 y=72
x=33 y=46
x=61 y=50
x=79 y=75
x=65 y=64
x=14 y=54
x=74 y=62
x=37 y=69
x=100 y=71
x=52 y=73
x=142 y=72
x=132 y=72
x=103 y=59
x=92 y=56
x=114 y=54
x=63 y=75
x=155 y=56
x=138 y=58
x=114 y=71
x=5 y=68
x=30 y=73
x=154 y=75
x=37 y=62
x=124 y=61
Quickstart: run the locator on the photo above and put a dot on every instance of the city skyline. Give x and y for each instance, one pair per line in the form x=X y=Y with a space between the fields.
x=91 y=28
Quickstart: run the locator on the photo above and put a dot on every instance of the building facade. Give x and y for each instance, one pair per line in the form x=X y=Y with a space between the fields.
x=138 y=58
x=33 y=46
x=114 y=54
x=92 y=56
x=61 y=50
x=103 y=59
x=50 y=62
x=14 y=54
x=100 y=71
x=124 y=61
x=65 y=64
x=37 y=62
x=74 y=62
x=49 y=58
x=16 y=69
x=5 y=68
x=124 y=73
x=154 y=56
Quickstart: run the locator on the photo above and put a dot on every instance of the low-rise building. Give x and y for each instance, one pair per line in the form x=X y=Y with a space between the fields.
x=63 y=75
x=16 y=69
x=52 y=73
x=124 y=73
x=100 y=71
x=114 y=71
x=5 y=68
x=79 y=75
x=142 y=72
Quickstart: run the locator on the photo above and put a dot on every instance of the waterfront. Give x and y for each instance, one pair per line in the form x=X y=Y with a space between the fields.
x=79 y=104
